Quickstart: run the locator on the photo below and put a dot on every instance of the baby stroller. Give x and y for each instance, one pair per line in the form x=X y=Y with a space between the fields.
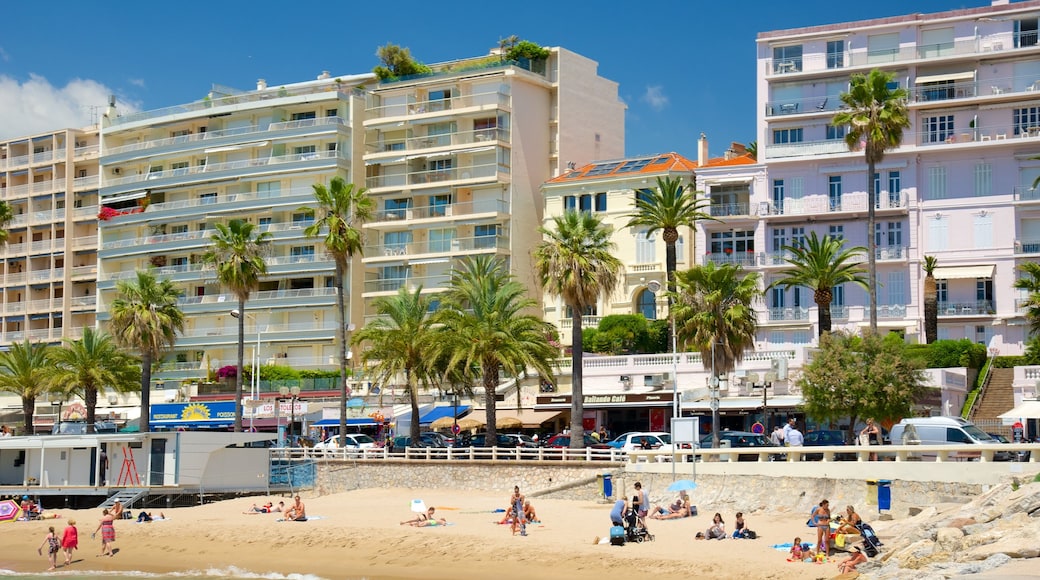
x=871 y=543
x=635 y=531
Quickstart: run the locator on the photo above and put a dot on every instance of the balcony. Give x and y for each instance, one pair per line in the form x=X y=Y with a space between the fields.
x=257 y=299
x=457 y=209
x=839 y=312
x=989 y=133
x=267 y=331
x=410 y=283
x=738 y=258
x=977 y=308
x=421 y=110
x=856 y=202
x=586 y=322
x=1023 y=247
x=785 y=314
x=729 y=209
x=88 y=182
x=1025 y=194
x=891 y=253
x=822 y=104
x=806 y=148
x=394 y=147
x=377 y=252
x=293 y=197
x=83 y=302
x=447 y=176
x=891 y=311
x=142 y=244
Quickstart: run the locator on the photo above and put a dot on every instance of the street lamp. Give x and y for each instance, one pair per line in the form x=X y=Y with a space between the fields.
x=254 y=383
x=343 y=386
x=716 y=384
x=291 y=394
x=655 y=286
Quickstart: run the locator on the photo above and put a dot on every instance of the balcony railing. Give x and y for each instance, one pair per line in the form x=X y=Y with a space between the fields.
x=418 y=108
x=728 y=209
x=478 y=136
x=827 y=147
x=586 y=322
x=258 y=296
x=1027 y=246
x=88 y=182
x=739 y=258
x=839 y=312
x=891 y=252
x=411 y=283
x=485 y=171
x=891 y=311
x=245 y=132
x=966 y=308
x=849 y=202
x=443 y=210
x=1026 y=193
x=785 y=313
x=452 y=246
x=210 y=168
x=265 y=329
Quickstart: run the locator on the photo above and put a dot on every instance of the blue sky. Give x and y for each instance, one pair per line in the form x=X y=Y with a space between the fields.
x=684 y=66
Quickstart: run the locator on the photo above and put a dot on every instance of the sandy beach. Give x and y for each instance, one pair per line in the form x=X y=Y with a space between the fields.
x=357 y=535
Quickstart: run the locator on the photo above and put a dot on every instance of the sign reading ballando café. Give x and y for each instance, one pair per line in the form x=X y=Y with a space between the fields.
x=619 y=400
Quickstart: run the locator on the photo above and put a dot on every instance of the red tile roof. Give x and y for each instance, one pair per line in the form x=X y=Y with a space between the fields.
x=648 y=165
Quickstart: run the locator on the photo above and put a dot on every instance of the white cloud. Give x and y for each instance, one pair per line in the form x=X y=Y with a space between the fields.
x=4 y=56
x=655 y=97
x=37 y=106
x=137 y=82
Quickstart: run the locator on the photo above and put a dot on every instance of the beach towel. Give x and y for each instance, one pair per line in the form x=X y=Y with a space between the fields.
x=306 y=519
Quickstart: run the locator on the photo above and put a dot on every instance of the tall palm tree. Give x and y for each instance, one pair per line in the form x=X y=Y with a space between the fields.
x=146 y=318
x=23 y=372
x=6 y=215
x=667 y=208
x=822 y=264
x=876 y=115
x=343 y=209
x=1031 y=284
x=485 y=326
x=931 y=300
x=401 y=342
x=713 y=306
x=576 y=262
x=90 y=364
x=237 y=253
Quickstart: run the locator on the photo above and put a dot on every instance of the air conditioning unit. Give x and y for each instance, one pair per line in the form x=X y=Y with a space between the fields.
x=653 y=380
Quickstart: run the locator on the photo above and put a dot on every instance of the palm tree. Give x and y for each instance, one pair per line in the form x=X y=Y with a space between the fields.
x=23 y=372
x=485 y=326
x=401 y=342
x=6 y=215
x=668 y=207
x=1031 y=285
x=713 y=306
x=752 y=149
x=931 y=300
x=237 y=253
x=876 y=114
x=344 y=209
x=90 y=364
x=822 y=264
x=146 y=317
x=576 y=262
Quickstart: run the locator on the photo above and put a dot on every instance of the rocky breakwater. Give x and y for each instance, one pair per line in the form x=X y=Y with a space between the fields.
x=951 y=541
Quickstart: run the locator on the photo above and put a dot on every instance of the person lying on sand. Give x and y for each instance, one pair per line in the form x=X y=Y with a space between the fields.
x=264 y=509
x=423 y=520
x=678 y=509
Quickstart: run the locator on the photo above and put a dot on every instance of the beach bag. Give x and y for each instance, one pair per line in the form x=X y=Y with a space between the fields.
x=750 y=534
x=617 y=536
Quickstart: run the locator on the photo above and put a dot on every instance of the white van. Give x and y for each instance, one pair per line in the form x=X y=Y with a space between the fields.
x=938 y=431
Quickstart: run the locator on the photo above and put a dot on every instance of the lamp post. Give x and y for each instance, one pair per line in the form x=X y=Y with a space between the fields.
x=715 y=383
x=255 y=380
x=344 y=392
x=655 y=286
x=292 y=394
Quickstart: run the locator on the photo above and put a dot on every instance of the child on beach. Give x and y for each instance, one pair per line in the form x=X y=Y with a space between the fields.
x=50 y=541
x=796 y=551
x=70 y=540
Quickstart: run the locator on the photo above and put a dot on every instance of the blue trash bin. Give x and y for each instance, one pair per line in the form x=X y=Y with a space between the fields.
x=884 y=494
x=608 y=486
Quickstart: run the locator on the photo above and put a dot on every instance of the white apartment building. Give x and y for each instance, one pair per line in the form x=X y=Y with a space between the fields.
x=49 y=269
x=455 y=162
x=958 y=188
x=169 y=175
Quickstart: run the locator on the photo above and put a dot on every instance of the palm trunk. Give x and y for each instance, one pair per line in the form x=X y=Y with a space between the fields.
x=577 y=402
x=28 y=406
x=146 y=383
x=824 y=316
x=871 y=248
x=241 y=359
x=90 y=400
x=490 y=382
x=931 y=310
x=669 y=268
x=341 y=335
x=413 y=398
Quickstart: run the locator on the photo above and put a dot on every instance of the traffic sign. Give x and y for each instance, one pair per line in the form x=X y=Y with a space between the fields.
x=455 y=428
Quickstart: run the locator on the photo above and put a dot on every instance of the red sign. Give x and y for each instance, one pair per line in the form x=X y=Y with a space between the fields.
x=455 y=428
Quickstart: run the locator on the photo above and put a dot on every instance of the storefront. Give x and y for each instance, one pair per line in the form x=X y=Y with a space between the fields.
x=619 y=413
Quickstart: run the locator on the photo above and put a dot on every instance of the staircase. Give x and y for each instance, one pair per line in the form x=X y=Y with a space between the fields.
x=125 y=496
x=997 y=397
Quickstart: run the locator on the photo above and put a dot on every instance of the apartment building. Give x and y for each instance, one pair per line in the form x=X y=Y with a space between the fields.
x=958 y=187
x=49 y=266
x=169 y=175
x=455 y=162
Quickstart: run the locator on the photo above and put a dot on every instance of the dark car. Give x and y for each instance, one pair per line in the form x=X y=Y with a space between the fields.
x=827 y=438
x=740 y=439
x=1002 y=455
x=560 y=441
x=399 y=444
x=480 y=440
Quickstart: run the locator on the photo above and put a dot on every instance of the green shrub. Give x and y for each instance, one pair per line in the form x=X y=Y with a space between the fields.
x=527 y=49
x=1008 y=362
x=278 y=373
x=956 y=353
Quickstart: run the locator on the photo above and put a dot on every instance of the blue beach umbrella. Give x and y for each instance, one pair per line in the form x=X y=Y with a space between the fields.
x=682 y=485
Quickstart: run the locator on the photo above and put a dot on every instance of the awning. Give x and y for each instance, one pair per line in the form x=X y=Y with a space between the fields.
x=963 y=272
x=527 y=417
x=125 y=197
x=189 y=424
x=1025 y=410
x=743 y=403
x=961 y=76
x=351 y=422
x=445 y=411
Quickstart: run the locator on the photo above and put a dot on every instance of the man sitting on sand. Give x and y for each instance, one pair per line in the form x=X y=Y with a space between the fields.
x=679 y=509
x=849 y=564
x=297 y=513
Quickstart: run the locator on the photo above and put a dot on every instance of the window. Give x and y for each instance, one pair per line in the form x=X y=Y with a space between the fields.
x=895 y=289
x=834 y=192
x=787 y=59
x=937 y=129
x=937 y=182
x=1025 y=32
x=645 y=248
x=733 y=242
x=778 y=196
x=601 y=201
x=798 y=237
x=779 y=239
x=941 y=291
x=208 y=198
x=440 y=100
x=393 y=277
x=396 y=243
x=301 y=254
x=835 y=53
x=936 y=42
x=883 y=47
x=800 y=337
x=834 y=133
x=305 y=152
x=268 y=188
x=781 y=136
x=439 y=205
x=589 y=311
x=984 y=289
x=303 y=116
x=1025 y=119
x=570 y=203
x=937 y=234
x=838 y=295
x=440 y=165
x=397 y=209
x=680 y=250
x=983 y=179
x=777 y=296
x=983 y=230
x=888 y=234
x=836 y=232
x=331 y=112
x=179 y=229
x=585 y=203
x=777 y=337
x=264 y=222
x=485 y=236
x=441 y=239
x=644 y=194
x=894 y=189
x=302 y=218
x=796 y=189
x=647 y=304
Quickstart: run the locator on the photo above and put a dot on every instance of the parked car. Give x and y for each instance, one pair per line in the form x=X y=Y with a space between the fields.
x=80 y=427
x=560 y=441
x=438 y=439
x=1002 y=455
x=740 y=439
x=634 y=440
x=480 y=440
x=827 y=438
x=522 y=440
x=353 y=440
x=399 y=443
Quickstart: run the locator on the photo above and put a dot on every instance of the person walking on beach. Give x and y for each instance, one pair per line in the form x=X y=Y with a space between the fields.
x=108 y=532
x=70 y=540
x=50 y=541
x=820 y=518
x=517 y=501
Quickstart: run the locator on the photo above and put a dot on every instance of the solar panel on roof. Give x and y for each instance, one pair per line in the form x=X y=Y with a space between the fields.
x=633 y=166
x=602 y=168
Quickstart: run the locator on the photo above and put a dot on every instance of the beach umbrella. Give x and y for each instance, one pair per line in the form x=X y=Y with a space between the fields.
x=682 y=485
x=443 y=423
x=418 y=506
x=9 y=510
x=508 y=423
x=470 y=423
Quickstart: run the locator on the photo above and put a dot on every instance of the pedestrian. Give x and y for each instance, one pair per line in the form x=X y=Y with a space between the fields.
x=50 y=541
x=5 y=431
x=870 y=435
x=641 y=503
x=516 y=502
x=794 y=437
x=777 y=436
x=70 y=540
x=603 y=433
x=108 y=532
x=103 y=467
x=820 y=518
x=787 y=428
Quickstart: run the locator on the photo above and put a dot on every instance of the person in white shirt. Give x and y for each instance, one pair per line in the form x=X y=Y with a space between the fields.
x=794 y=438
x=788 y=427
x=777 y=437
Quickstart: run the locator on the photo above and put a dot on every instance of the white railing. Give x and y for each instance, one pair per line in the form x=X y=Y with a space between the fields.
x=453 y=453
x=265 y=329
x=416 y=107
x=210 y=168
x=478 y=136
x=435 y=176
x=279 y=196
x=251 y=130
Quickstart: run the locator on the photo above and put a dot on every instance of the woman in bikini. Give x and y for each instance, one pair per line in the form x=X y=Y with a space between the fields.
x=517 y=502
x=821 y=520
